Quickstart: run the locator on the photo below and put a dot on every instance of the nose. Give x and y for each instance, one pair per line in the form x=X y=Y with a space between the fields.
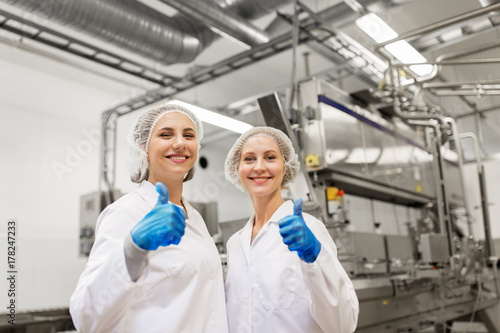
x=179 y=143
x=259 y=165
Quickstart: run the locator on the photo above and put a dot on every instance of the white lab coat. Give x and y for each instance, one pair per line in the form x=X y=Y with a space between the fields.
x=178 y=288
x=269 y=289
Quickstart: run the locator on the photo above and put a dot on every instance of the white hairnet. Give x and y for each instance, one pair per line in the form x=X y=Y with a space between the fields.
x=140 y=134
x=292 y=164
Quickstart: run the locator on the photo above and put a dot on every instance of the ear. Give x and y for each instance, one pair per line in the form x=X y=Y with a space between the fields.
x=286 y=171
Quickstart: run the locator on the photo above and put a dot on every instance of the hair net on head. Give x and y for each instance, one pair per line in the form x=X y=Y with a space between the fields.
x=292 y=164
x=140 y=133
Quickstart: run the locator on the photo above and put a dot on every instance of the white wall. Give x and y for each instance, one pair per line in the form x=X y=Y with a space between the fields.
x=49 y=132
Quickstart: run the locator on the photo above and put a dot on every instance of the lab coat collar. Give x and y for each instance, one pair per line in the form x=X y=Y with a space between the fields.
x=285 y=209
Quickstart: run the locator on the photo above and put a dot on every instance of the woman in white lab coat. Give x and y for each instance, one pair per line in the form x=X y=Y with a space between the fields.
x=154 y=267
x=283 y=271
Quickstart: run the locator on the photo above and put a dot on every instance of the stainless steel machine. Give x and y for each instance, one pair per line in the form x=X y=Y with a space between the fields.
x=434 y=272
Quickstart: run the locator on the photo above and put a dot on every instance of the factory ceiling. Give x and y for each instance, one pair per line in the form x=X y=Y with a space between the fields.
x=223 y=54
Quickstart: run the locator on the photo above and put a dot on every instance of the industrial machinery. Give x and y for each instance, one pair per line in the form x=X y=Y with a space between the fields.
x=428 y=274
x=91 y=205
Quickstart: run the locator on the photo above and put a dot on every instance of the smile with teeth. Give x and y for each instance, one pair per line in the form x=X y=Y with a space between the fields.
x=178 y=158
x=260 y=179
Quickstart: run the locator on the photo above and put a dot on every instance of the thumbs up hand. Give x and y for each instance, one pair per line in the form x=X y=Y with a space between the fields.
x=162 y=226
x=298 y=236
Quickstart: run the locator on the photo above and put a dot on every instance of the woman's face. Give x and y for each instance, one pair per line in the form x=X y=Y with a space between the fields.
x=172 y=149
x=261 y=166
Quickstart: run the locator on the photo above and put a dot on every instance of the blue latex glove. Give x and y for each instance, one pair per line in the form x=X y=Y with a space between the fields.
x=162 y=226
x=298 y=236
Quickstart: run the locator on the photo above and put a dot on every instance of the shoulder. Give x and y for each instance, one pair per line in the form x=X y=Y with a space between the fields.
x=128 y=203
x=131 y=207
x=235 y=237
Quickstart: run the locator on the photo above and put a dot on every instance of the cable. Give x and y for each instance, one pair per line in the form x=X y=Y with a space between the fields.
x=295 y=43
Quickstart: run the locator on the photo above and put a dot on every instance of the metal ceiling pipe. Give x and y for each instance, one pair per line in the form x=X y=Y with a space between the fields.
x=127 y=24
x=337 y=16
x=486 y=3
x=410 y=35
x=249 y=9
x=228 y=23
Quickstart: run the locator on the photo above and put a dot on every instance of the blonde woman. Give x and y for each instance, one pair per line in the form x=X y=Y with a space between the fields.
x=283 y=271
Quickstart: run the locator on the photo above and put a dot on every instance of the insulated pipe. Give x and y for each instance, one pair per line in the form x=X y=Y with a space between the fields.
x=127 y=24
x=485 y=3
x=212 y=16
x=440 y=62
x=481 y=87
x=411 y=116
x=454 y=131
x=137 y=28
x=484 y=195
x=442 y=24
x=472 y=85
x=442 y=203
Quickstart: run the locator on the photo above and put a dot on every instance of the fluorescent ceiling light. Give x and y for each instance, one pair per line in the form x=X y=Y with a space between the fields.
x=216 y=119
x=376 y=28
x=381 y=32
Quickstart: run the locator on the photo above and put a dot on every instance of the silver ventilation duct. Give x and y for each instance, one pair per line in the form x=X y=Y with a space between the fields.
x=127 y=24
x=137 y=28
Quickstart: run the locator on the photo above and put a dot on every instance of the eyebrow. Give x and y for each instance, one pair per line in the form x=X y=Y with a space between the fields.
x=267 y=151
x=171 y=129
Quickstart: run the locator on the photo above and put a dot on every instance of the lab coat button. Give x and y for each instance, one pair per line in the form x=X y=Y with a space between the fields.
x=213 y=316
x=212 y=276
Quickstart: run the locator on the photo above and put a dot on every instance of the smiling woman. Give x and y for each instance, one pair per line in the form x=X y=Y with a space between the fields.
x=172 y=149
x=153 y=255
x=283 y=272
